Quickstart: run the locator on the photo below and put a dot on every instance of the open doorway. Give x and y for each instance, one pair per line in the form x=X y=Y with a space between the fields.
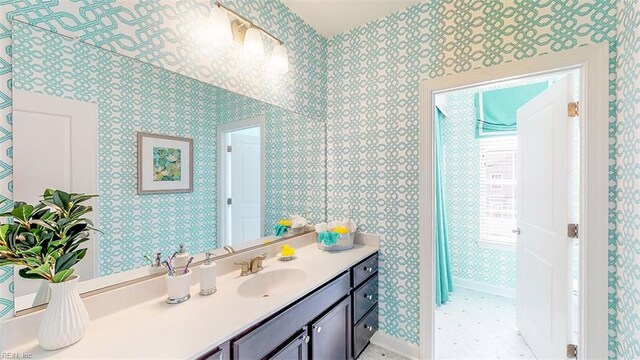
x=241 y=181
x=591 y=62
x=507 y=176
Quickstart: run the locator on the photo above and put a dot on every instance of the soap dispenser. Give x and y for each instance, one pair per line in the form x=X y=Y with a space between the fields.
x=182 y=257
x=208 y=276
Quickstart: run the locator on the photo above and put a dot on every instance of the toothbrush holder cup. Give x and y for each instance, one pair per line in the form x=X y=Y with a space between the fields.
x=178 y=288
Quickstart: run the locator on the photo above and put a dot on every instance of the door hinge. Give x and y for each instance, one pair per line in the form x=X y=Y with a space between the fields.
x=572 y=351
x=572 y=231
x=229 y=201
x=573 y=109
x=229 y=148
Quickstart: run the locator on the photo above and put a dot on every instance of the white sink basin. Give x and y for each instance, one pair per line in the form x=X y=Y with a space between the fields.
x=269 y=283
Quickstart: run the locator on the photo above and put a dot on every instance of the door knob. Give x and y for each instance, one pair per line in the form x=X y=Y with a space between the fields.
x=306 y=339
x=318 y=329
x=516 y=231
x=370 y=328
x=369 y=297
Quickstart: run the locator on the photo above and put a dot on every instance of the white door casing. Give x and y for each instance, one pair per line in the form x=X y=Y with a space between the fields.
x=542 y=250
x=55 y=146
x=593 y=63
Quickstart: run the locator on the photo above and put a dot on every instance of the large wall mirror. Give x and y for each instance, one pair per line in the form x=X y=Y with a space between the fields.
x=173 y=160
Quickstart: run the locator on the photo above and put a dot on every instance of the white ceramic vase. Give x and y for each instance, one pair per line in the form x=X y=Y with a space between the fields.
x=43 y=295
x=66 y=319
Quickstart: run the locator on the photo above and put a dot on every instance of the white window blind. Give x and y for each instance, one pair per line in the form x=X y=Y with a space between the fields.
x=498 y=157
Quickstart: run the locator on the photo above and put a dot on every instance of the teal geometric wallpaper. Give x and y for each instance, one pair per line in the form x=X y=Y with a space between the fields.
x=135 y=96
x=131 y=96
x=170 y=35
x=367 y=81
x=373 y=107
x=627 y=246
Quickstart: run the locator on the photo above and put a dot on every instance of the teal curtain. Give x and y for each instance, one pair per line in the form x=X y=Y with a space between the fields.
x=444 y=282
x=496 y=110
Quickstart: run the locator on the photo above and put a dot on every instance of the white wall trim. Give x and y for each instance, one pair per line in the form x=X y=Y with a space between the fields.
x=484 y=287
x=398 y=346
x=222 y=203
x=592 y=61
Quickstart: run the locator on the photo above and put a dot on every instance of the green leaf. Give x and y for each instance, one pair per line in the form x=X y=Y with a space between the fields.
x=81 y=253
x=3 y=232
x=61 y=199
x=25 y=273
x=62 y=275
x=42 y=270
x=66 y=261
x=45 y=224
x=22 y=213
x=34 y=251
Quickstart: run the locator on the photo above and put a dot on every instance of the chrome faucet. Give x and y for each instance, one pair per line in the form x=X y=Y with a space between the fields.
x=229 y=249
x=252 y=266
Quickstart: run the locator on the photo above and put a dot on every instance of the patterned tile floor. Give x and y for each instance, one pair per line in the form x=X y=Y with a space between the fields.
x=477 y=325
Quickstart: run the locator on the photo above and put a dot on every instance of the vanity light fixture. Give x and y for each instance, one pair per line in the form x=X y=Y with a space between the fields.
x=279 y=61
x=250 y=35
x=253 y=49
x=219 y=28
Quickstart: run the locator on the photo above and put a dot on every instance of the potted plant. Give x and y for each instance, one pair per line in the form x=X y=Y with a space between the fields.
x=45 y=238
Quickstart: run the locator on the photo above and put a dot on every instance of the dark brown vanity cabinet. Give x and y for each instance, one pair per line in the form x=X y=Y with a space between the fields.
x=331 y=334
x=295 y=349
x=268 y=339
x=334 y=322
x=364 y=279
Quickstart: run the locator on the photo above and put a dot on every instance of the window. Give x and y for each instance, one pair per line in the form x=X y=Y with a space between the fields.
x=498 y=189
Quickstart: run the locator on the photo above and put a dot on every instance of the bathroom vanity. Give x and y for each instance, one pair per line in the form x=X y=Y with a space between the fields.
x=335 y=321
x=322 y=305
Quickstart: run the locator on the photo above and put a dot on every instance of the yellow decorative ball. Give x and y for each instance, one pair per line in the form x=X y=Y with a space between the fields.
x=340 y=230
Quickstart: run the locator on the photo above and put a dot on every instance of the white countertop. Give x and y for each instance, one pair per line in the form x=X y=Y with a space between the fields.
x=158 y=330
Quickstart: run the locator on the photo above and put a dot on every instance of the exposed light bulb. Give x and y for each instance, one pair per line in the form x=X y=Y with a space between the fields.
x=219 y=26
x=253 y=47
x=279 y=61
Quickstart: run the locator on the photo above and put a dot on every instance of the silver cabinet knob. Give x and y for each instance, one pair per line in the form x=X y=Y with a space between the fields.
x=367 y=268
x=368 y=296
x=318 y=329
x=306 y=339
x=370 y=328
x=516 y=231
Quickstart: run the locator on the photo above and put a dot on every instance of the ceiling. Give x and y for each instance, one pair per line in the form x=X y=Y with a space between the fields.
x=332 y=17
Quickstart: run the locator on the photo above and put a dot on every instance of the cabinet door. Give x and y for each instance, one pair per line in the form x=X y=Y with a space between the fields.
x=296 y=349
x=331 y=334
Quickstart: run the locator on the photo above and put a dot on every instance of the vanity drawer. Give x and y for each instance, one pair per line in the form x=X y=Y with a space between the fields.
x=365 y=297
x=364 y=270
x=261 y=341
x=364 y=330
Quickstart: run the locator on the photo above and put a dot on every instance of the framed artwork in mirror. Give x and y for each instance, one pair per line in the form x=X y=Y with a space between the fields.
x=165 y=164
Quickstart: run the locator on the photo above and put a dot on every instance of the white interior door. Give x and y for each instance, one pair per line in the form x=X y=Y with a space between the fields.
x=245 y=187
x=54 y=146
x=543 y=285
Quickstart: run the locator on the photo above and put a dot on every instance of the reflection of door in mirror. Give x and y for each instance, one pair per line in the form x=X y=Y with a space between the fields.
x=54 y=146
x=242 y=192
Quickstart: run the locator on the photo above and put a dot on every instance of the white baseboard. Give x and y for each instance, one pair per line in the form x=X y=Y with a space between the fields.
x=484 y=287
x=396 y=345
